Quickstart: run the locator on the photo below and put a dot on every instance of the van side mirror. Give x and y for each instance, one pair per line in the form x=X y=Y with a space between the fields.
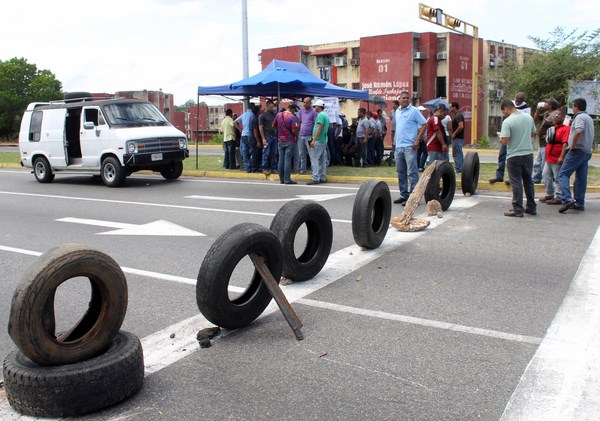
x=88 y=125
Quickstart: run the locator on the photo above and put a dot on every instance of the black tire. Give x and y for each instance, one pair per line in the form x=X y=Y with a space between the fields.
x=371 y=214
x=113 y=174
x=444 y=193
x=285 y=226
x=221 y=259
x=42 y=170
x=172 y=172
x=77 y=96
x=470 y=173
x=31 y=323
x=75 y=389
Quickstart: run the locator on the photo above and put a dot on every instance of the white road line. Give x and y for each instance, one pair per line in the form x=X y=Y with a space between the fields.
x=562 y=380
x=422 y=322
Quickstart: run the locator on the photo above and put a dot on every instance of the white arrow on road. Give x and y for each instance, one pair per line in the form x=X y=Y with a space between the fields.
x=160 y=227
x=315 y=197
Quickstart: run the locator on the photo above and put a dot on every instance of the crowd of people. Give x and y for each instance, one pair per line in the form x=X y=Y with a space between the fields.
x=302 y=137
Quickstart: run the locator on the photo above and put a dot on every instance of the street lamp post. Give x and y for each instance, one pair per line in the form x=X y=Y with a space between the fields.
x=438 y=17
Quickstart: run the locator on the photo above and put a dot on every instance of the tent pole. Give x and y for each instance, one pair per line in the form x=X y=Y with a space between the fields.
x=197 y=125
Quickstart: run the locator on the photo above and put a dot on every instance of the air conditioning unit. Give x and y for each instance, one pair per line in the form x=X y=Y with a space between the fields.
x=499 y=93
x=339 y=61
x=442 y=56
x=419 y=55
x=354 y=62
x=416 y=95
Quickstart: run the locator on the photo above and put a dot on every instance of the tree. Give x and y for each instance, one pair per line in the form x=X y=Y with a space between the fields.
x=564 y=56
x=21 y=83
x=189 y=103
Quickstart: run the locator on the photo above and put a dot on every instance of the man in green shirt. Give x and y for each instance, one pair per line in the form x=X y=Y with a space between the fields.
x=228 y=130
x=318 y=144
x=516 y=133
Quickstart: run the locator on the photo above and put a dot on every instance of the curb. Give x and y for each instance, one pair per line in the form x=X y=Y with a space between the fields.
x=274 y=178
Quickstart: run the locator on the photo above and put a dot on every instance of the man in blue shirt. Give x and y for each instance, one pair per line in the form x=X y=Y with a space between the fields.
x=244 y=124
x=410 y=126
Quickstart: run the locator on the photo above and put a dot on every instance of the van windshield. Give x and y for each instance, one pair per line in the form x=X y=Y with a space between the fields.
x=134 y=114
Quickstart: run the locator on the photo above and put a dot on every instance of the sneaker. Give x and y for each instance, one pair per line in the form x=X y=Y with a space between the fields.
x=514 y=213
x=553 y=201
x=311 y=183
x=495 y=180
x=530 y=212
x=291 y=182
x=566 y=206
x=400 y=200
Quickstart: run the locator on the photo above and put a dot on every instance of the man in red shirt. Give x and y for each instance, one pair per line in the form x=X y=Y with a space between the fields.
x=286 y=124
x=436 y=143
x=557 y=138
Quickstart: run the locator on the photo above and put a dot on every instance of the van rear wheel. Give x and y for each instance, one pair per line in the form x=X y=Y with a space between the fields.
x=113 y=174
x=42 y=171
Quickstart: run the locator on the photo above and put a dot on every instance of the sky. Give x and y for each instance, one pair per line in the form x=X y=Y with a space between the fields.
x=177 y=45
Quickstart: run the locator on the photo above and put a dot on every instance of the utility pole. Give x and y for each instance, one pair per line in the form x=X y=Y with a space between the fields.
x=438 y=17
x=245 y=46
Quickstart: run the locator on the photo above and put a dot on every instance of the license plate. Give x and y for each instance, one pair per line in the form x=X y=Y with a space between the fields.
x=156 y=157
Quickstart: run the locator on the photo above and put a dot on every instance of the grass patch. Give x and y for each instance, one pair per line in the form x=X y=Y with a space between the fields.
x=215 y=163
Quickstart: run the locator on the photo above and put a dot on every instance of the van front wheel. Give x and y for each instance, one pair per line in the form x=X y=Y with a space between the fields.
x=41 y=169
x=113 y=174
x=173 y=171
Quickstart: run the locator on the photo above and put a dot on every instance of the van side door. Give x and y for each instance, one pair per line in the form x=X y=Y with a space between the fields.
x=94 y=135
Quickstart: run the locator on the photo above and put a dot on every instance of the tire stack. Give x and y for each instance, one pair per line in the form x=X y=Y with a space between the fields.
x=89 y=367
x=276 y=246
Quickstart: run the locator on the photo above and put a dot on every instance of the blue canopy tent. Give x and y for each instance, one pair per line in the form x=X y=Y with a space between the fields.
x=283 y=79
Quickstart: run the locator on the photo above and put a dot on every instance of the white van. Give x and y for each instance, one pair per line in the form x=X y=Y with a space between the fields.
x=110 y=138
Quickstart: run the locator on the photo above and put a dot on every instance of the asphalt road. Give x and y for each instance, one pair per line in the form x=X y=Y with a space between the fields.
x=464 y=321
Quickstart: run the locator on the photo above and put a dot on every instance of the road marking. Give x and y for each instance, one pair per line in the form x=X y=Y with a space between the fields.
x=562 y=380
x=160 y=228
x=315 y=197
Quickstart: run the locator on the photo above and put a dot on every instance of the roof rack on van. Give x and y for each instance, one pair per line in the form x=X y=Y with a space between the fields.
x=77 y=97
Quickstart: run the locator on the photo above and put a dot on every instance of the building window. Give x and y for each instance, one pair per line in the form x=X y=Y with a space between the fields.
x=324 y=61
x=325 y=73
x=416 y=42
x=355 y=85
x=356 y=52
x=440 y=87
x=441 y=45
x=341 y=85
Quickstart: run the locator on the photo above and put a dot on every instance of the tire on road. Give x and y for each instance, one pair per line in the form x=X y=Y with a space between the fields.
x=470 y=173
x=113 y=174
x=371 y=214
x=31 y=323
x=42 y=170
x=227 y=251
x=442 y=185
x=172 y=172
x=79 y=388
x=285 y=226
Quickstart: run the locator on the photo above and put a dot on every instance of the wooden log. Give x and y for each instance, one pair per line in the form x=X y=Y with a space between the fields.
x=417 y=194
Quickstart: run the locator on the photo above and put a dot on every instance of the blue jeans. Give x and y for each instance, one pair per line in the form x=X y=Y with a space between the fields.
x=269 y=154
x=422 y=154
x=538 y=165
x=406 y=167
x=303 y=150
x=371 y=150
x=457 y=153
x=576 y=162
x=229 y=161
x=286 y=152
x=550 y=177
x=247 y=149
x=317 y=158
x=519 y=173
x=435 y=156
x=501 y=162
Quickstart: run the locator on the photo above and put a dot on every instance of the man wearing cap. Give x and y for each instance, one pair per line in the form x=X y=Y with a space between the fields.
x=318 y=145
x=286 y=124
x=410 y=126
x=543 y=117
x=306 y=119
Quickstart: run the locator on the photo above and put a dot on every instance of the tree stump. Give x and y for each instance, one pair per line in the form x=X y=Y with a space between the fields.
x=406 y=222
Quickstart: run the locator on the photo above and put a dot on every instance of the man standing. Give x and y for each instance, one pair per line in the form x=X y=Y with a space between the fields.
x=543 y=116
x=269 y=138
x=436 y=143
x=457 y=136
x=395 y=106
x=422 y=149
x=522 y=107
x=517 y=132
x=362 y=132
x=228 y=130
x=557 y=138
x=286 y=124
x=244 y=124
x=579 y=153
x=306 y=116
x=318 y=145
x=410 y=126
